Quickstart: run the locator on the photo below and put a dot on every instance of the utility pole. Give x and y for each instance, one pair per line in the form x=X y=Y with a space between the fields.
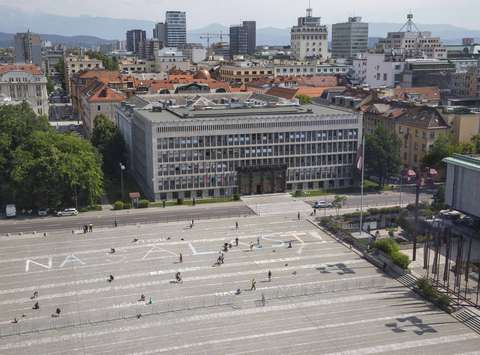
x=122 y=168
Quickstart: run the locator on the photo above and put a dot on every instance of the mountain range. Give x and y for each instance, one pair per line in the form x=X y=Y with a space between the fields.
x=89 y=31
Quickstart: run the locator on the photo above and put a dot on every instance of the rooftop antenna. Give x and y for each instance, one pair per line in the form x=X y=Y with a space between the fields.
x=309 y=10
x=409 y=26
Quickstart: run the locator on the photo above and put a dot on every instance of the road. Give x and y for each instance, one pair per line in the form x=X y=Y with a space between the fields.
x=107 y=218
x=272 y=203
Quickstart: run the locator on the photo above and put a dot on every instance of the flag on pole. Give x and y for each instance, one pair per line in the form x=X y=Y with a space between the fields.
x=359 y=159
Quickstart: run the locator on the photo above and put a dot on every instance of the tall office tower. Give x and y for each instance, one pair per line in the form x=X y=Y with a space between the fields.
x=238 y=40
x=251 y=28
x=176 y=26
x=134 y=37
x=309 y=39
x=349 y=38
x=160 y=33
x=28 y=48
x=243 y=38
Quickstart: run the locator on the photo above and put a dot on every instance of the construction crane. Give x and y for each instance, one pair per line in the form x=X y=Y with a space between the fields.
x=209 y=36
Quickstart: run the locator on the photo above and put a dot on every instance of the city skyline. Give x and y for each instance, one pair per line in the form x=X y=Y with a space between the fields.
x=199 y=13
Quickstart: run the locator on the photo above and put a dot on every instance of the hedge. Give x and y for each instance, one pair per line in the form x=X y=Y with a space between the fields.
x=431 y=294
x=143 y=204
x=392 y=249
x=118 y=205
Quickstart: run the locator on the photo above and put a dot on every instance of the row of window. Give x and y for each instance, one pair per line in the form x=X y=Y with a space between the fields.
x=225 y=166
x=256 y=138
x=261 y=124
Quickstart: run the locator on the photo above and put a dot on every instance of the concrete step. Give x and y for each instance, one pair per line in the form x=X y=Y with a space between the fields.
x=468 y=318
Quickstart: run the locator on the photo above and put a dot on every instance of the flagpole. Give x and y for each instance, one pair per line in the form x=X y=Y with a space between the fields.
x=361 y=186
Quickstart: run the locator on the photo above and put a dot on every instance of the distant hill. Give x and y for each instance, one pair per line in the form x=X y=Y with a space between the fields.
x=7 y=40
x=94 y=30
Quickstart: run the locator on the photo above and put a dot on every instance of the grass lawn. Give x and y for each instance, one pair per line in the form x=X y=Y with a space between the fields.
x=190 y=202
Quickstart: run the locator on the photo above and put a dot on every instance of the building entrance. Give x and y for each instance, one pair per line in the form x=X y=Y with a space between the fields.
x=262 y=180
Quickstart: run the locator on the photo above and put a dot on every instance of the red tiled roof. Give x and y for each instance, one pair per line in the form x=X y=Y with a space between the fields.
x=103 y=93
x=30 y=68
x=282 y=92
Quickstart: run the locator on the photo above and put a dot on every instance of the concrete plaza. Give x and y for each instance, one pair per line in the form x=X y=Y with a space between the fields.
x=323 y=298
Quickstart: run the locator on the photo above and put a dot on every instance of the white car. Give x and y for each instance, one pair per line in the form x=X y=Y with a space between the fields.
x=67 y=212
x=42 y=212
x=322 y=204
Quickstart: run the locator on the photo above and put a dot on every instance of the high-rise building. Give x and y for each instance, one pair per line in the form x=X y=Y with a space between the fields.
x=148 y=48
x=160 y=32
x=28 y=48
x=243 y=38
x=349 y=38
x=251 y=28
x=176 y=26
x=309 y=39
x=134 y=37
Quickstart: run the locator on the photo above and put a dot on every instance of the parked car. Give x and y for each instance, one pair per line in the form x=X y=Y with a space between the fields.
x=42 y=212
x=10 y=211
x=322 y=204
x=67 y=212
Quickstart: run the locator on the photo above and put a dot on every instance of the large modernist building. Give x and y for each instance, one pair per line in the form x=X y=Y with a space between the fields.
x=309 y=39
x=243 y=38
x=221 y=144
x=28 y=48
x=176 y=27
x=349 y=38
x=134 y=38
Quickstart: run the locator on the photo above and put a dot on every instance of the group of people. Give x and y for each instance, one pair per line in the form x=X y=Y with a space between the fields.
x=36 y=306
x=87 y=228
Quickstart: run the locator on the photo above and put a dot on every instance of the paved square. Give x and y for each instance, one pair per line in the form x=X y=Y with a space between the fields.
x=322 y=298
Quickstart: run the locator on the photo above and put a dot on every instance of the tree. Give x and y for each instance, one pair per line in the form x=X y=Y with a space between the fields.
x=442 y=148
x=42 y=168
x=109 y=141
x=109 y=63
x=476 y=143
x=304 y=99
x=50 y=85
x=60 y=68
x=17 y=124
x=53 y=170
x=382 y=154
x=338 y=202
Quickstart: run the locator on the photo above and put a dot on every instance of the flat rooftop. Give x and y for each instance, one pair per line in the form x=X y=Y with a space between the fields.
x=185 y=113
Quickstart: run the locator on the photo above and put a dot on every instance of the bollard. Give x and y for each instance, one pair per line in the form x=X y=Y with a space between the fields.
x=21 y=233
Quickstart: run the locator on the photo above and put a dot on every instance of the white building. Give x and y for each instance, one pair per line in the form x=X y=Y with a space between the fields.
x=412 y=43
x=24 y=82
x=309 y=68
x=170 y=57
x=309 y=39
x=377 y=70
x=222 y=144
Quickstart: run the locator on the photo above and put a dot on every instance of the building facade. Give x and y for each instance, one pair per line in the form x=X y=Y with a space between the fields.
x=243 y=38
x=134 y=38
x=160 y=32
x=309 y=68
x=176 y=26
x=25 y=82
x=75 y=64
x=28 y=48
x=350 y=38
x=244 y=73
x=462 y=190
x=239 y=145
x=169 y=58
x=309 y=39
x=149 y=48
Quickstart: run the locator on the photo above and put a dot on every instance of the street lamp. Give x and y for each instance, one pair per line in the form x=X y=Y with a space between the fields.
x=122 y=168
x=420 y=180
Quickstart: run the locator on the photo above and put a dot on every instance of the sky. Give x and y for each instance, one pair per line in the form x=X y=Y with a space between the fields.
x=274 y=13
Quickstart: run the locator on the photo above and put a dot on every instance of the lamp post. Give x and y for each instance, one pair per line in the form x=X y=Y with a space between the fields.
x=122 y=168
x=420 y=177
